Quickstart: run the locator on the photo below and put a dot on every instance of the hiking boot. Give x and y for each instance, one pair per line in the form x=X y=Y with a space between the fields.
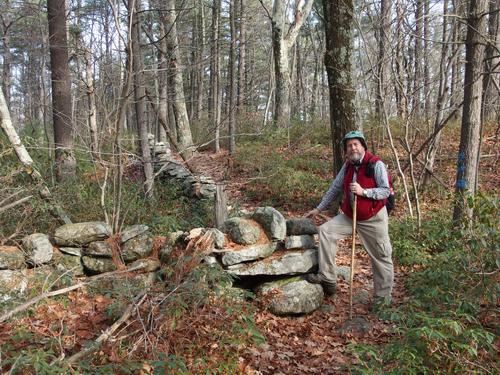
x=329 y=289
x=313 y=278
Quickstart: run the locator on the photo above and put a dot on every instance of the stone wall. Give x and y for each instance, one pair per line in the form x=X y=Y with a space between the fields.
x=262 y=251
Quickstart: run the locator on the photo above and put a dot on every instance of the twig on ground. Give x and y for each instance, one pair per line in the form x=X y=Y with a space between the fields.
x=109 y=332
x=68 y=289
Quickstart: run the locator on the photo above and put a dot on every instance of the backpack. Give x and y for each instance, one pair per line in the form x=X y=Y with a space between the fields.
x=391 y=199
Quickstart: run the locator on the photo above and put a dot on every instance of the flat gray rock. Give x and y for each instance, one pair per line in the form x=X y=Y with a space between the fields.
x=99 y=249
x=38 y=249
x=137 y=248
x=11 y=258
x=97 y=265
x=242 y=231
x=300 y=226
x=247 y=253
x=78 y=234
x=12 y=283
x=292 y=296
x=76 y=251
x=133 y=231
x=305 y=241
x=272 y=221
x=288 y=263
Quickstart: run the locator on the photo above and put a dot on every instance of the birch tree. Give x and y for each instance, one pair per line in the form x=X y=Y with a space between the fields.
x=283 y=39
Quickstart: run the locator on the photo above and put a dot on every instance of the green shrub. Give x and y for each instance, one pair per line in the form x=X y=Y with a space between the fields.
x=446 y=326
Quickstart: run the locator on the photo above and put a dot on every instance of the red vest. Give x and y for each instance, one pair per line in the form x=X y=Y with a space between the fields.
x=366 y=207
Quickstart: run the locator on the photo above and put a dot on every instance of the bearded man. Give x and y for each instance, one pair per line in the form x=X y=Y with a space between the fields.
x=364 y=175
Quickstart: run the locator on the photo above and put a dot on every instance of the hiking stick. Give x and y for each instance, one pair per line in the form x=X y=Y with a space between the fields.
x=354 y=212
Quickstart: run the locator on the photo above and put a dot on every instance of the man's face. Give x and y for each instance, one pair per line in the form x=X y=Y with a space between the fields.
x=354 y=150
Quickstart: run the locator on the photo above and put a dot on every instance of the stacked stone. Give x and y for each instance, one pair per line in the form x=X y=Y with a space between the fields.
x=193 y=185
x=75 y=249
x=160 y=150
x=270 y=256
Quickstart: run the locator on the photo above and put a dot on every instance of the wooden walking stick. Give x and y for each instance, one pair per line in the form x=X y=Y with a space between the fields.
x=352 y=253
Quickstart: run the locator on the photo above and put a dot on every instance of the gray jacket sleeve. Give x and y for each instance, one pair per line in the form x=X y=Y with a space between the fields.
x=382 y=190
x=334 y=191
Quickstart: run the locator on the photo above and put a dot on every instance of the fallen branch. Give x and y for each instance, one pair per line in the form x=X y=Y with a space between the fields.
x=16 y=203
x=109 y=332
x=68 y=289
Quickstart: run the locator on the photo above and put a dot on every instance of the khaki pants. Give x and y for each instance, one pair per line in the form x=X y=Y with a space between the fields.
x=374 y=234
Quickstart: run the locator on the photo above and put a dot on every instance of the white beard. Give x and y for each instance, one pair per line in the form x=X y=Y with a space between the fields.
x=356 y=158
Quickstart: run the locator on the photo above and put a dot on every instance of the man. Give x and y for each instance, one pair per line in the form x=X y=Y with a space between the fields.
x=364 y=175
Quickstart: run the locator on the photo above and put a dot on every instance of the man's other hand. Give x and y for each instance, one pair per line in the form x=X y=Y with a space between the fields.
x=311 y=214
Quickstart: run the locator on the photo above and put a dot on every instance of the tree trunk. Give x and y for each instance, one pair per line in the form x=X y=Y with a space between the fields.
x=162 y=84
x=427 y=62
x=140 y=99
x=176 y=81
x=338 y=32
x=440 y=102
x=213 y=107
x=7 y=54
x=61 y=90
x=468 y=161
x=400 y=92
x=417 y=83
x=232 y=77
x=242 y=72
x=282 y=41
x=491 y=89
x=91 y=106
x=383 y=66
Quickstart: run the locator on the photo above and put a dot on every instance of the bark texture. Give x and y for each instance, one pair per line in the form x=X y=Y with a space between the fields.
x=61 y=90
x=338 y=26
x=468 y=154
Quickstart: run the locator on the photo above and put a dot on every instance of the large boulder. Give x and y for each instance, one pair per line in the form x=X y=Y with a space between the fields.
x=291 y=296
x=242 y=231
x=78 y=234
x=133 y=231
x=38 y=249
x=248 y=253
x=11 y=258
x=11 y=284
x=95 y=266
x=283 y=263
x=137 y=248
x=272 y=221
x=305 y=241
x=99 y=249
x=300 y=226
